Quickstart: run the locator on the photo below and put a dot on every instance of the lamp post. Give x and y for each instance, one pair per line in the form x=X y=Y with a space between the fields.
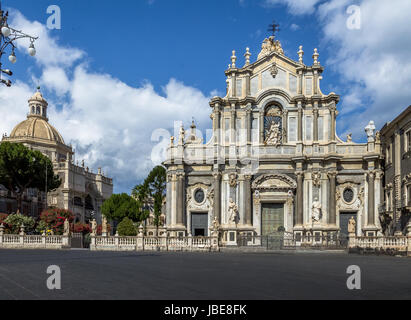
x=8 y=36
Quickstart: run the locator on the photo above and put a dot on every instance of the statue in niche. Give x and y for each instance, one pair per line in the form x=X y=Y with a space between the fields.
x=274 y=134
x=352 y=225
x=316 y=210
x=233 y=211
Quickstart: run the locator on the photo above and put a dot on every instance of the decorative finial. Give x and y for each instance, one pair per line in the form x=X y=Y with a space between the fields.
x=315 y=57
x=301 y=55
x=233 y=59
x=38 y=88
x=247 y=56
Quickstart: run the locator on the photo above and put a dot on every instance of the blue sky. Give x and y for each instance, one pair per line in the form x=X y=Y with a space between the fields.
x=157 y=40
x=117 y=71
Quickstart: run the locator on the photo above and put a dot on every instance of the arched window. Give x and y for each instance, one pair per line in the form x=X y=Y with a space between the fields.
x=273 y=125
x=38 y=109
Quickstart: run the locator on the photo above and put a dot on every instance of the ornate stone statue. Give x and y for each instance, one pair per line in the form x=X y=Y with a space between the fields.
x=104 y=226
x=274 y=135
x=370 y=130
x=66 y=227
x=216 y=225
x=352 y=225
x=233 y=211
x=270 y=45
x=182 y=135
x=349 y=138
x=94 y=227
x=378 y=137
x=316 y=210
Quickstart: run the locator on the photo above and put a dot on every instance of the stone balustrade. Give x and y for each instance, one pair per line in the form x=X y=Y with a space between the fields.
x=161 y=243
x=381 y=244
x=12 y=241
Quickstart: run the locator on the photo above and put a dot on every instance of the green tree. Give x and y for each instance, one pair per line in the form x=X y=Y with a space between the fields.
x=156 y=183
x=126 y=228
x=120 y=206
x=22 y=168
x=141 y=193
x=15 y=221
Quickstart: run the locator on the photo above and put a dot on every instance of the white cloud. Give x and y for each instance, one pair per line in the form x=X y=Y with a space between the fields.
x=108 y=122
x=49 y=52
x=294 y=27
x=296 y=6
x=373 y=61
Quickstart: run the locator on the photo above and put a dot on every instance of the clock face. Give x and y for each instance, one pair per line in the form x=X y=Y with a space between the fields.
x=348 y=195
x=199 y=196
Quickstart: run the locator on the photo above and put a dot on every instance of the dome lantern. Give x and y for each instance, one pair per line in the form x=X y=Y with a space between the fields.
x=38 y=105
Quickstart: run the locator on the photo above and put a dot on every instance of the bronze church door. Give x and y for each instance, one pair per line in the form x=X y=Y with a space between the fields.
x=272 y=218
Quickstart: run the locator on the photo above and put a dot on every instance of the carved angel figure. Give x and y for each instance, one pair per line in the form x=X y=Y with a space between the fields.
x=316 y=210
x=274 y=135
x=233 y=211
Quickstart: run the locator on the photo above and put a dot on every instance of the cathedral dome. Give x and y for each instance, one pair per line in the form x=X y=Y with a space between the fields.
x=36 y=127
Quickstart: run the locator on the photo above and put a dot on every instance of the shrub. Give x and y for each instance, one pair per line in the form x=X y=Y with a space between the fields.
x=3 y=217
x=126 y=228
x=54 y=219
x=82 y=228
x=15 y=221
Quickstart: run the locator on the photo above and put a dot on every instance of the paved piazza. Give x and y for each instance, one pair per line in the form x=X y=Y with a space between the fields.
x=235 y=276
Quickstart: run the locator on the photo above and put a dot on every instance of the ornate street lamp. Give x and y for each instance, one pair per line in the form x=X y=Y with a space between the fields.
x=8 y=36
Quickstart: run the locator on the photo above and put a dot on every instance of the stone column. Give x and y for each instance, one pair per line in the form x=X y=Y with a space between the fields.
x=247 y=85
x=315 y=121
x=248 y=126
x=180 y=199
x=371 y=199
x=332 y=220
x=285 y=126
x=217 y=196
x=300 y=122
x=300 y=199
x=315 y=82
x=261 y=127
x=300 y=82
x=233 y=126
x=333 y=110
x=247 y=201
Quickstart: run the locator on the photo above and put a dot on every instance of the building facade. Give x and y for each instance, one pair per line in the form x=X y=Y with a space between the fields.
x=274 y=162
x=396 y=148
x=81 y=191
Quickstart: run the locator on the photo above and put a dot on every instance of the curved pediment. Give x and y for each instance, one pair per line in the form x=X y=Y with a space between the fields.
x=274 y=182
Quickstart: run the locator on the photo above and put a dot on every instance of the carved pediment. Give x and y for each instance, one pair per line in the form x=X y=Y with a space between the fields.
x=274 y=182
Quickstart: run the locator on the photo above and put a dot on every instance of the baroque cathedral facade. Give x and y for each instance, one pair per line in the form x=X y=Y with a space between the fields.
x=274 y=162
x=81 y=191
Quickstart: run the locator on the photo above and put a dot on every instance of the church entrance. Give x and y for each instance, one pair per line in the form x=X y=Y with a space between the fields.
x=272 y=218
x=199 y=224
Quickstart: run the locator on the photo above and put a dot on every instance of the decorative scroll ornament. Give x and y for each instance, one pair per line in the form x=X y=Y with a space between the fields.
x=316 y=176
x=233 y=180
x=274 y=70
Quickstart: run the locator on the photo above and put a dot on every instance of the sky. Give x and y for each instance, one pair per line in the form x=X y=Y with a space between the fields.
x=117 y=71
